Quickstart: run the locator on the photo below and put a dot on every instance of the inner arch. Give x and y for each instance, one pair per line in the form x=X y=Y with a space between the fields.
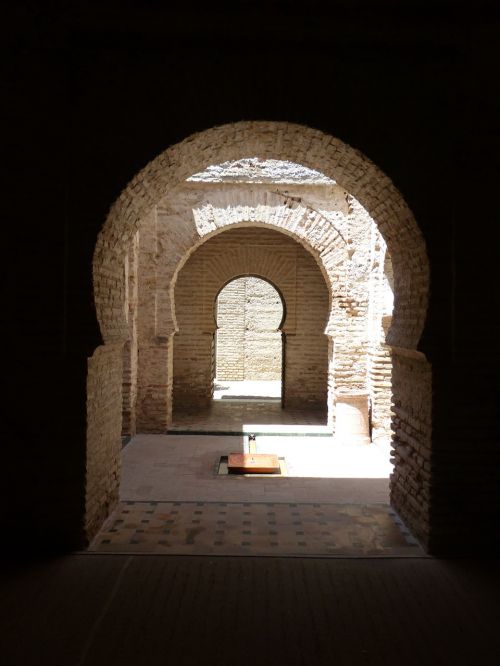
x=299 y=289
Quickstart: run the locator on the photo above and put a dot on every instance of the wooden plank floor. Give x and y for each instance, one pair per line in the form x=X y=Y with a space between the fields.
x=93 y=610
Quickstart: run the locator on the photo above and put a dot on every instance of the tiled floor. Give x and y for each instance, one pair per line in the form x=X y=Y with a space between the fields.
x=256 y=528
x=332 y=500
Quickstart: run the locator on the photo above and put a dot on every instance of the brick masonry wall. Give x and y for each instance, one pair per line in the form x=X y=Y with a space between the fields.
x=294 y=272
x=412 y=452
x=154 y=373
x=230 y=335
x=104 y=404
x=130 y=349
x=249 y=344
x=350 y=327
x=380 y=307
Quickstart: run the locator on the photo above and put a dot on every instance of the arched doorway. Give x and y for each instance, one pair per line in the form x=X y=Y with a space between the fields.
x=151 y=203
x=248 y=346
x=246 y=249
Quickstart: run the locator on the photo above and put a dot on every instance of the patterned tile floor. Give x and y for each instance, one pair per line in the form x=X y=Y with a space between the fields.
x=256 y=528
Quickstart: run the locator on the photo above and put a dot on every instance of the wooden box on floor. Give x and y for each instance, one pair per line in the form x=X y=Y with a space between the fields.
x=257 y=463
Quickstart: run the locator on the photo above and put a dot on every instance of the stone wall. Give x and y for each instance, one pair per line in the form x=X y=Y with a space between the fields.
x=287 y=265
x=248 y=340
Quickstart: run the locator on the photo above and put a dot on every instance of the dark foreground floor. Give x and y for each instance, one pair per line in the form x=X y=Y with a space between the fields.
x=154 y=610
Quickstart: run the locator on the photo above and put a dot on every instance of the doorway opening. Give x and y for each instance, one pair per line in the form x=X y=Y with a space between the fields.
x=248 y=353
x=328 y=199
x=284 y=351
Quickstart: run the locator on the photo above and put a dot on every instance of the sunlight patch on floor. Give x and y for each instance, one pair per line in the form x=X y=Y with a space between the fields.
x=230 y=390
x=184 y=468
x=324 y=457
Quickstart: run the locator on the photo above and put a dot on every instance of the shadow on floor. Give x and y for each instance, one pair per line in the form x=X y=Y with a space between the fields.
x=106 y=610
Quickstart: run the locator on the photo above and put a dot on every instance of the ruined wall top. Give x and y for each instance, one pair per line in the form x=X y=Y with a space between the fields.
x=255 y=170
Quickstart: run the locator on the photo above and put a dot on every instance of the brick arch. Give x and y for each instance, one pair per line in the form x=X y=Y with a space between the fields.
x=271 y=267
x=411 y=484
x=215 y=212
x=292 y=271
x=331 y=257
x=267 y=140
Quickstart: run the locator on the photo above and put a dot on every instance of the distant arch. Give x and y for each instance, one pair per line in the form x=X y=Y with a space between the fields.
x=259 y=277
